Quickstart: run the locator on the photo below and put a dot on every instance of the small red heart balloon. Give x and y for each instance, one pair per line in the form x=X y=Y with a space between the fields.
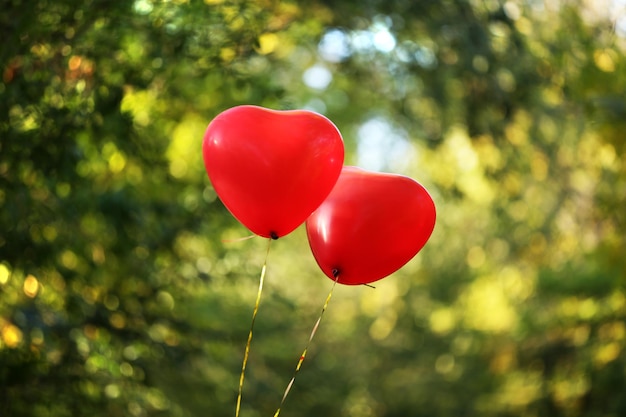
x=271 y=168
x=370 y=225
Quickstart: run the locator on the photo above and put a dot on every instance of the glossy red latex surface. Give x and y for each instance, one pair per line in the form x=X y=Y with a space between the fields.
x=272 y=168
x=370 y=225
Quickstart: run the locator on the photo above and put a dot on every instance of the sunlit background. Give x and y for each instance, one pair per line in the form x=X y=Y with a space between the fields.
x=124 y=290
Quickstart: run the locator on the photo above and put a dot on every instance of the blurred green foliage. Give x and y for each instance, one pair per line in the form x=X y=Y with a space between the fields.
x=119 y=295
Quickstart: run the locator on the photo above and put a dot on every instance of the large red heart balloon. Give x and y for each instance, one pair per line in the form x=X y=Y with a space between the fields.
x=370 y=225
x=272 y=168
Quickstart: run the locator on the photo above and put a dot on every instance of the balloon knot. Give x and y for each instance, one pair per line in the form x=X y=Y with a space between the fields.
x=335 y=272
x=274 y=235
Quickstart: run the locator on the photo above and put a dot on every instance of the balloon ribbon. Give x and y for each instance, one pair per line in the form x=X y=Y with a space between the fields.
x=240 y=239
x=306 y=348
x=256 y=309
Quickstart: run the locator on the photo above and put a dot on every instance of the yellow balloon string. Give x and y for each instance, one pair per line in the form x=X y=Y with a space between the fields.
x=306 y=348
x=256 y=309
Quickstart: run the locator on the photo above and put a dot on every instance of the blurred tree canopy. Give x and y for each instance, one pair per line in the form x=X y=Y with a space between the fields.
x=120 y=297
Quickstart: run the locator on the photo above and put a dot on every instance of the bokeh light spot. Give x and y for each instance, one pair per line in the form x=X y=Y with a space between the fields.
x=5 y=273
x=31 y=286
x=11 y=335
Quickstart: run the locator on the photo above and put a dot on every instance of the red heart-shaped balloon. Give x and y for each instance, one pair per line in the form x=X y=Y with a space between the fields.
x=272 y=168
x=370 y=225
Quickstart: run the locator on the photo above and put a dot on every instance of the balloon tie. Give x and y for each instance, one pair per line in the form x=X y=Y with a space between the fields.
x=306 y=348
x=240 y=239
x=254 y=313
